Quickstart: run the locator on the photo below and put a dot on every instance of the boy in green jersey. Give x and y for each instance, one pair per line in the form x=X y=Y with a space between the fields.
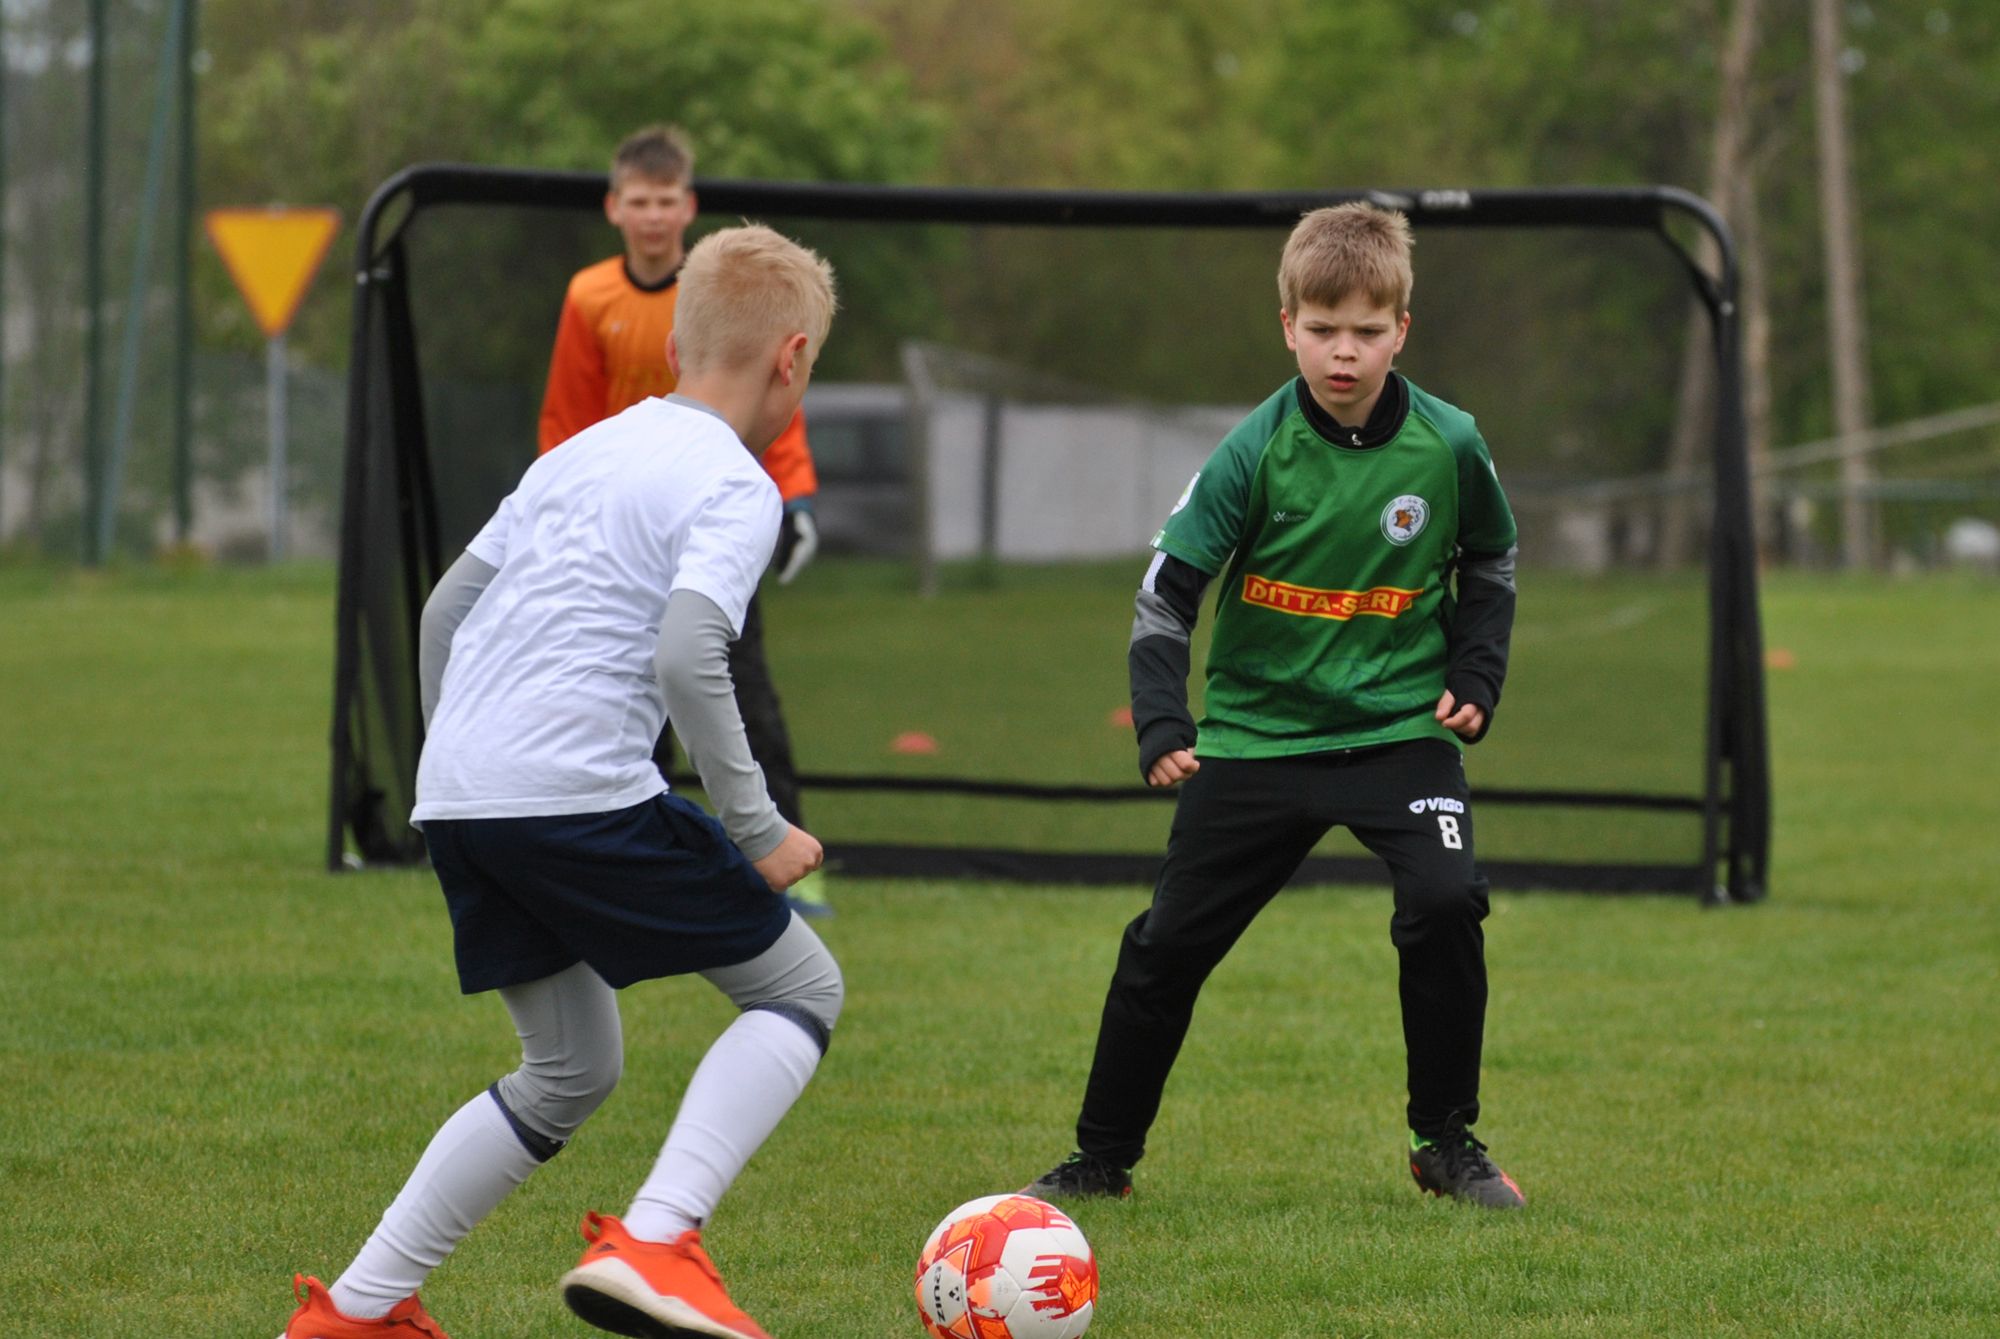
x=1365 y=560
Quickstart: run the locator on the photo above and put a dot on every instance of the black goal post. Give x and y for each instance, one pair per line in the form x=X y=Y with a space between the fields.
x=968 y=369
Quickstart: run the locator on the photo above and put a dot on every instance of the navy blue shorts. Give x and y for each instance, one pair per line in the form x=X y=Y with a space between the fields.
x=654 y=890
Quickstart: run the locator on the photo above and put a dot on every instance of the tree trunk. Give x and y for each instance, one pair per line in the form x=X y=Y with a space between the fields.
x=1747 y=219
x=1694 y=415
x=1847 y=329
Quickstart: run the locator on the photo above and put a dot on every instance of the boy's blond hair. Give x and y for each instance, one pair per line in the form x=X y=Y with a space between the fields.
x=742 y=290
x=1344 y=249
x=656 y=153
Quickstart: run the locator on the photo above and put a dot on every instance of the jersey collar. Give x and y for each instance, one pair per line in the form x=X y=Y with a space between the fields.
x=661 y=287
x=1392 y=406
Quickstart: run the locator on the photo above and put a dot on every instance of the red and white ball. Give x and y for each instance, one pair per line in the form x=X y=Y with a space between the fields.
x=1006 y=1267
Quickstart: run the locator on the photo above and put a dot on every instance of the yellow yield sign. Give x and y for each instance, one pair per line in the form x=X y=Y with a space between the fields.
x=272 y=255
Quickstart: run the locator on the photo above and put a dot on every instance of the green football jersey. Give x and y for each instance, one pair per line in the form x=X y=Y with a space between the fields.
x=1332 y=609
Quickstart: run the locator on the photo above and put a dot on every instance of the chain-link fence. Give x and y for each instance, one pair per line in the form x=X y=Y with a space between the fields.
x=90 y=196
x=120 y=432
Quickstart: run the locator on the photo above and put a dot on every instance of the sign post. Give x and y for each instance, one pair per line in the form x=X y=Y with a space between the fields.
x=272 y=255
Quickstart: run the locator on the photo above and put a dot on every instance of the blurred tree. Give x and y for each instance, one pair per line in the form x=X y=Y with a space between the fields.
x=1732 y=188
x=306 y=103
x=43 y=407
x=768 y=89
x=1274 y=94
x=1139 y=97
x=320 y=103
x=1847 y=327
x=83 y=213
x=1268 y=94
x=1923 y=94
x=1924 y=102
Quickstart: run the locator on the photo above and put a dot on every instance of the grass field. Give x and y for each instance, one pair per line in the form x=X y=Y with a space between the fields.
x=1778 y=1120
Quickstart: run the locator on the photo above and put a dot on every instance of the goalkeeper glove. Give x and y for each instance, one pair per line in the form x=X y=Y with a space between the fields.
x=798 y=540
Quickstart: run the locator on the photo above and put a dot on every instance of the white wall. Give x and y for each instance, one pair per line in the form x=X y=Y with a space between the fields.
x=1075 y=481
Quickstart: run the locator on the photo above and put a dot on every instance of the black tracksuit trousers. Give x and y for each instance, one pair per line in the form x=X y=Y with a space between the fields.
x=1241 y=830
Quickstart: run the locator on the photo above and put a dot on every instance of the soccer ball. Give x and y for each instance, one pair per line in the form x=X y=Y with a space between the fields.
x=1006 y=1267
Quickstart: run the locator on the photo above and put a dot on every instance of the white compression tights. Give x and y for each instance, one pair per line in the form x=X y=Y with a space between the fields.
x=571 y=1056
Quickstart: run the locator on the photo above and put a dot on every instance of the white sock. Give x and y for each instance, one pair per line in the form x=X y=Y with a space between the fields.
x=471 y=1164
x=741 y=1090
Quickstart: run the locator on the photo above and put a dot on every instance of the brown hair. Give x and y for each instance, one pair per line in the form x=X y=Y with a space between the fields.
x=657 y=153
x=743 y=288
x=1344 y=249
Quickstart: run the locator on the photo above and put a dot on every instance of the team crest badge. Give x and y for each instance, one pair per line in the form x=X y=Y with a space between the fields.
x=1404 y=519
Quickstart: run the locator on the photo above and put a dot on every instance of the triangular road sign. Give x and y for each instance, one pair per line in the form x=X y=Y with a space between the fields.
x=272 y=254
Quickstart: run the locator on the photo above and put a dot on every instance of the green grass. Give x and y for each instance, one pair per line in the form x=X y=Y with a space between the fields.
x=220 y=1062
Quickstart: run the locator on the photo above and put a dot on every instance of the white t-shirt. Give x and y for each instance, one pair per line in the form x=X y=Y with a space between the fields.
x=549 y=703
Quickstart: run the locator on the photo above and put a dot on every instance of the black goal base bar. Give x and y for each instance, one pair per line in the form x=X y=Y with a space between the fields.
x=1101 y=869
x=1035 y=790
x=885 y=860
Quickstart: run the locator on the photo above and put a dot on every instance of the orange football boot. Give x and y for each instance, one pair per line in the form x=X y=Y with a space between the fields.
x=318 y=1318
x=651 y=1289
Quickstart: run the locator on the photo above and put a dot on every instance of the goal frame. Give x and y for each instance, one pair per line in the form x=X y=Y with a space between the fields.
x=389 y=534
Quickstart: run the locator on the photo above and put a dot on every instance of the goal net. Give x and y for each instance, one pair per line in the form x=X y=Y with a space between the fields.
x=1018 y=387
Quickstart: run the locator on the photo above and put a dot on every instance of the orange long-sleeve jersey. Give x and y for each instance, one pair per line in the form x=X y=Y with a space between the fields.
x=611 y=353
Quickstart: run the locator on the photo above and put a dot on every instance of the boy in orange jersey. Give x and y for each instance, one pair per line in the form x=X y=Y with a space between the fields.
x=610 y=353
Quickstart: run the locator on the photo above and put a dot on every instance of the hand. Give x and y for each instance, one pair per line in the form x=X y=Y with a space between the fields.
x=1173 y=768
x=798 y=855
x=1466 y=722
x=798 y=541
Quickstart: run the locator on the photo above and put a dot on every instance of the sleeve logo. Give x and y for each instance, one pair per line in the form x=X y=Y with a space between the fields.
x=1404 y=519
x=1186 y=493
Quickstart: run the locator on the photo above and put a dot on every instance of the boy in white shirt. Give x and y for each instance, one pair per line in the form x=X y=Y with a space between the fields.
x=601 y=598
